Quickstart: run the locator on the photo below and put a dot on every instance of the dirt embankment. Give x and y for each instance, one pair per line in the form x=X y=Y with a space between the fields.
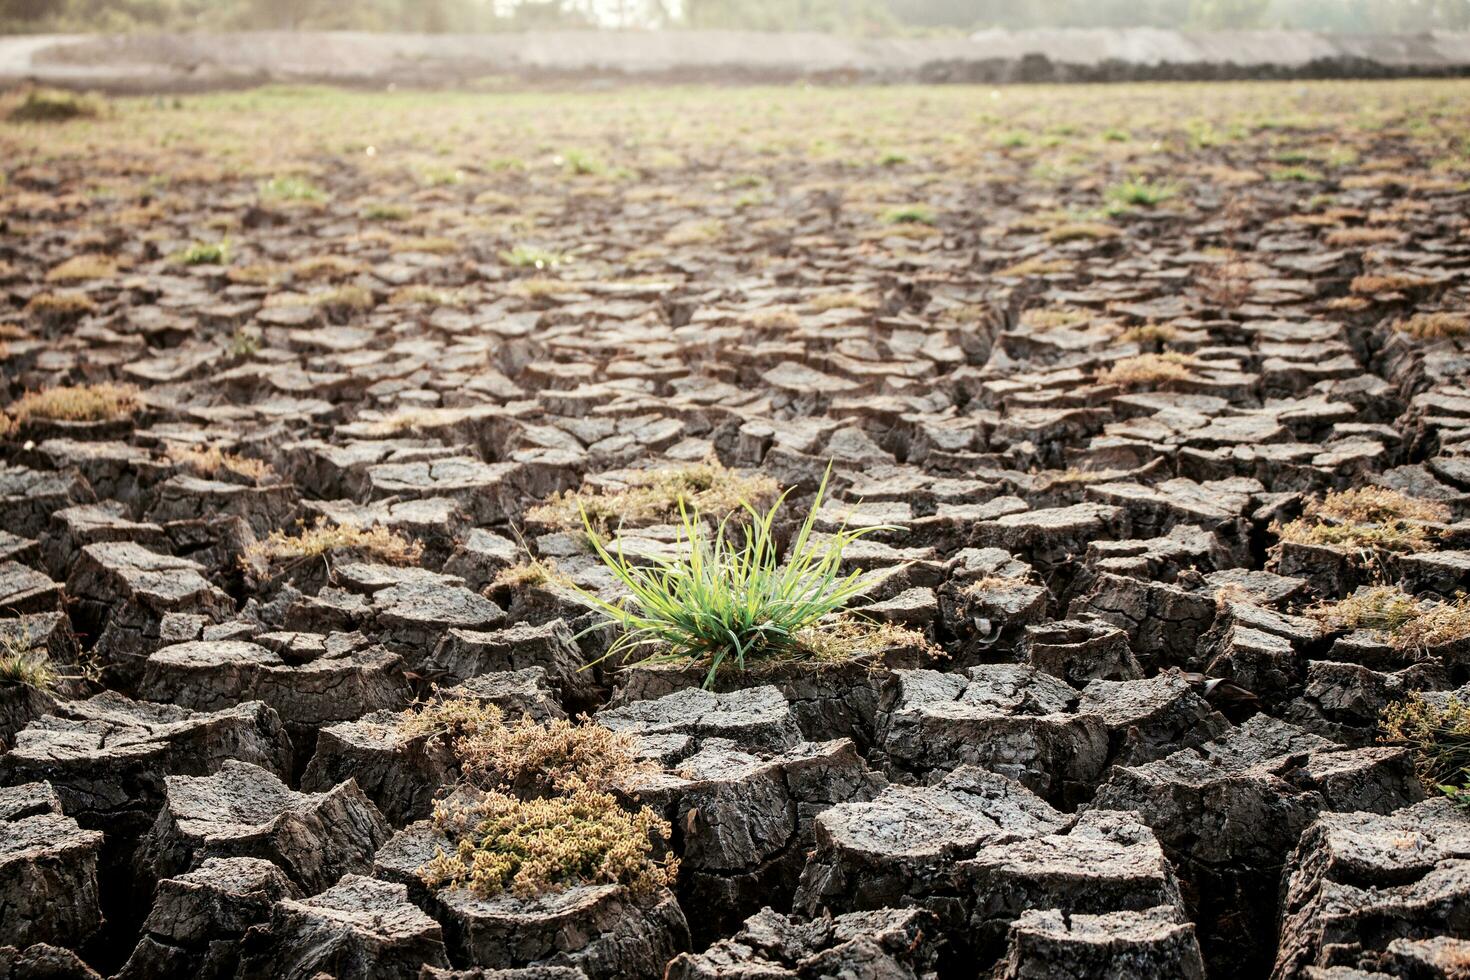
x=202 y=61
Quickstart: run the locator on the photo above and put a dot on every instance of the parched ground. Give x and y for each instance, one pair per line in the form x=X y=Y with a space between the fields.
x=1149 y=379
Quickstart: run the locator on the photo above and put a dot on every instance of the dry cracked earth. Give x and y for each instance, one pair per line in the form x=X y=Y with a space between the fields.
x=1122 y=366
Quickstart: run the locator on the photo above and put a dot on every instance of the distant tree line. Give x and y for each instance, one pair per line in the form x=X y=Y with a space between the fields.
x=856 y=17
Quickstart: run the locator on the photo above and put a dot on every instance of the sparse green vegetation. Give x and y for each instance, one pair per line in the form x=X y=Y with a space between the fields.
x=1139 y=193
x=47 y=105
x=291 y=190
x=204 y=253
x=721 y=604
x=30 y=668
x=531 y=257
x=911 y=214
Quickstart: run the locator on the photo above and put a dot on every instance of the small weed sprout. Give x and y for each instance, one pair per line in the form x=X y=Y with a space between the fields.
x=291 y=189
x=912 y=214
x=531 y=257
x=1138 y=193
x=203 y=253
x=529 y=575
x=719 y=602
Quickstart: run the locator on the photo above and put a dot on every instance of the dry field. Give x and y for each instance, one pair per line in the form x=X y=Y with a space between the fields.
x=1148 y=404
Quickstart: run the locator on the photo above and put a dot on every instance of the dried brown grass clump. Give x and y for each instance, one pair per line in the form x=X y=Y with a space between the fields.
x=326 y=268
x=710 y=488
x=856 y=639
x=1383 y=608
x=211 y=462
x=1149 y=334
x=1372 y=285
x=1367 y=520
x=1358 y=237
x=1436 y=626
x=1148 y=370
x=1439 y=734
x=25 y=667
x=535 y=847
x=1052 y=318
x=531 y=759
x=1227 y=284
x=1434 y=326
x=76 y=403
x=377 y=543
x=82 y=267
x=529 y=574
x=344 y=301
x=62 y=307
x=1077 y=231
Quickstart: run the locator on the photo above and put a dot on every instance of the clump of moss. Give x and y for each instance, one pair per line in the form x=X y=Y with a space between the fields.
x=1149 y=370
x=536 y=847
x=211 y=462
x=76 y=403
x=80 y=268
x=54 y=105
x=1367 y=520
x=709 y=487
x=1434 y=326
x=377 y=543
x=1438 y=732
x=60 y=308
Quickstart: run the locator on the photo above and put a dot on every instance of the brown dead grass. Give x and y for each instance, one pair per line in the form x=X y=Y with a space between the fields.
x=76 y=403
x=1149 y=370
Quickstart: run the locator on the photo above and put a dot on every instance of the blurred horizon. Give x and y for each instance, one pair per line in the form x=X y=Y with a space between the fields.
x=854 y=18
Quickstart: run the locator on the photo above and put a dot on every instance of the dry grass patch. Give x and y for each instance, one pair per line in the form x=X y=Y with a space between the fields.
x=841 y=301
x=80 y=268
x=1149 y=334
x=1359 y=237
x=29 y=668
x=1439 y=734
x=1366 y=520
x=525 y=757
x=852 y=639
x=326 y=268
x=538 y=847
x=76 y=403
x=528 y=575
x=1149 y=370
x=710 y=487
x=1079 y=231
x=376 y=543
x=212 y=462
x=1036 y=266
x=62 y=307
x=1373 y=285
x=1434 y=326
